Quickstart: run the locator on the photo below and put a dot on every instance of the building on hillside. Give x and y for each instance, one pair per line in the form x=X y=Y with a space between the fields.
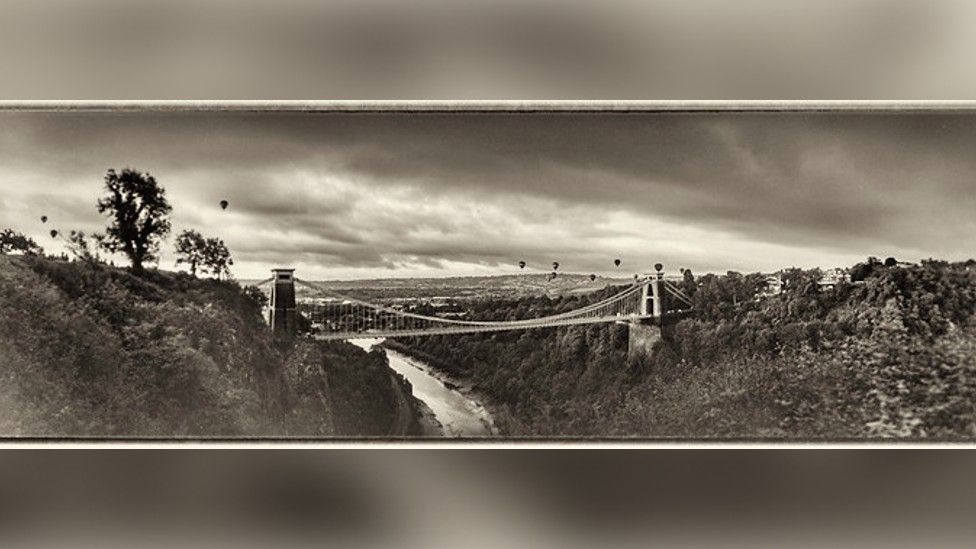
x=831 y=278
x=773 y=285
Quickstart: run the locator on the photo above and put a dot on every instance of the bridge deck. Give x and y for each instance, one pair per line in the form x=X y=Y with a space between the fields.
x=472 y=329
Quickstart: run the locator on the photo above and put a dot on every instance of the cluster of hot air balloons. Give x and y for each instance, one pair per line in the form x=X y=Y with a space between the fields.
x=555 y=268
x=223 y=206
x=53 y=232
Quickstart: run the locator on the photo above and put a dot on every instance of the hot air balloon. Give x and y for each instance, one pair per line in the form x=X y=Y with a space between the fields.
x=54 y=233
x=616 y=262
x=521 y=264
x=658 y=267
x=224 y=204
x=555 y=265
x=43 y=219
x=635 y=277
x=592 y=277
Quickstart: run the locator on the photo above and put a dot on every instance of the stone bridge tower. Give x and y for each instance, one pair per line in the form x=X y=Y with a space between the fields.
x=655 y=324
x=283 y=315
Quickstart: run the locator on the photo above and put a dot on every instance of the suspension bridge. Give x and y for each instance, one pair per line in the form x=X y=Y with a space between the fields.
x=650 y=300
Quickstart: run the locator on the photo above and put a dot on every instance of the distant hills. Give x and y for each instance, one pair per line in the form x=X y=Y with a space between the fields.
x=470 y=286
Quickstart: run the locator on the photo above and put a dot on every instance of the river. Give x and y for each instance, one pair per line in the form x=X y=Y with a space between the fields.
x=459 y=414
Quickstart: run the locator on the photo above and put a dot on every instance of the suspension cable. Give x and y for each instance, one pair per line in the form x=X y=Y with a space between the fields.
x=615 y=298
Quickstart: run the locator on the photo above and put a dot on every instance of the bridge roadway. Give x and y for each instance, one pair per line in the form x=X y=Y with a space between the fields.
x=472 y=329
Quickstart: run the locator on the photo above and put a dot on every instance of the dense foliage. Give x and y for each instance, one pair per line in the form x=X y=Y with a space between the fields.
x=12 y=241
x=891 y=356
x=90 y=350
x=337 y=389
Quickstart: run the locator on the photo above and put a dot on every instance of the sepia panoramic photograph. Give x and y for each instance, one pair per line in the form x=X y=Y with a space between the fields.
x=564 y=275
x=374 y=273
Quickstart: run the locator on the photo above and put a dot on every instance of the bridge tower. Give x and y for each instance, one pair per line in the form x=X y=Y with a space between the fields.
x=653 y=296
x=283 y=315
x=649 y=328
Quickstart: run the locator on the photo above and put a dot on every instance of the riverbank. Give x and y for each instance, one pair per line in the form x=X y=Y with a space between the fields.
x=465 y=387
x=429 y=426
x=446 y=403
x=413 y=416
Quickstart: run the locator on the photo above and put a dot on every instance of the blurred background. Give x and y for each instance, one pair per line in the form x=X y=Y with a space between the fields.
x=471 y=498
x=461 y=50
x=451 y=49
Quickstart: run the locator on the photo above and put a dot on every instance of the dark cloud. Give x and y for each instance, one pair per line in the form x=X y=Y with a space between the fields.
x=392 y=190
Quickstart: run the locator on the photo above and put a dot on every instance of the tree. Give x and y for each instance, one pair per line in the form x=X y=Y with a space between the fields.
x=12 y=241
x=205 y=254
x=862 y=271
x=217 y=258
x=138 y=211
x=191 y=249
x=80 y=248
x=688 y=282
x=255 y=295
x=733 y=280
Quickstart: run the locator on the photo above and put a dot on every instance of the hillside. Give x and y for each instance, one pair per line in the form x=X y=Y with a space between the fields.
x=894 y=356
x=90 y=350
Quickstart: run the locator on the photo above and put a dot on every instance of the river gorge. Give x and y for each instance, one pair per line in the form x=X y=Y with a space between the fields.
x=458 y=412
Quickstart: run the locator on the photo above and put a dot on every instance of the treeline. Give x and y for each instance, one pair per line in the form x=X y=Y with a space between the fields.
x=138 y=215
x=891 y=356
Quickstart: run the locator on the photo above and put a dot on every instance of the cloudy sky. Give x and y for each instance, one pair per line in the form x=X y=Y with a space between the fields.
x=366 y=195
